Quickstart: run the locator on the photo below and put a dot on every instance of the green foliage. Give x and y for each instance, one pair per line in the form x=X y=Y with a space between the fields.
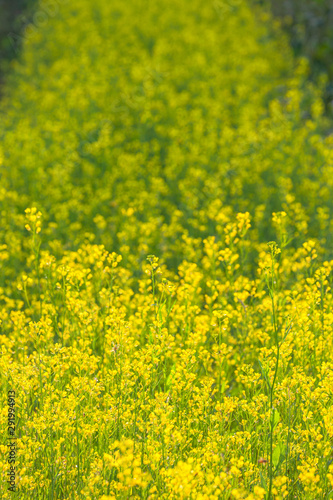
x=309 y=24
x=14 y=16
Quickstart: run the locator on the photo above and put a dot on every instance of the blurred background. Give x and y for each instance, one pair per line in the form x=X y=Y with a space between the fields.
x=14 y=15
x=309 y=24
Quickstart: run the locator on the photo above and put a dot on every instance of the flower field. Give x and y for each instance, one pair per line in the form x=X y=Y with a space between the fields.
x=166 y=232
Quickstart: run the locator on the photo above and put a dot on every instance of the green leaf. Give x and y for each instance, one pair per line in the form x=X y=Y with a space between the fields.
x=276 y=418
x=170 y=377
x=262 y=481
x=264 y=374
x=276 y=456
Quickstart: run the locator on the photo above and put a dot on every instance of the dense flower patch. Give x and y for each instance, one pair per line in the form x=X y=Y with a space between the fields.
x=166 y=261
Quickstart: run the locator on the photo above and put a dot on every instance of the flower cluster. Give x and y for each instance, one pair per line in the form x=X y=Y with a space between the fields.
x=159 y=348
